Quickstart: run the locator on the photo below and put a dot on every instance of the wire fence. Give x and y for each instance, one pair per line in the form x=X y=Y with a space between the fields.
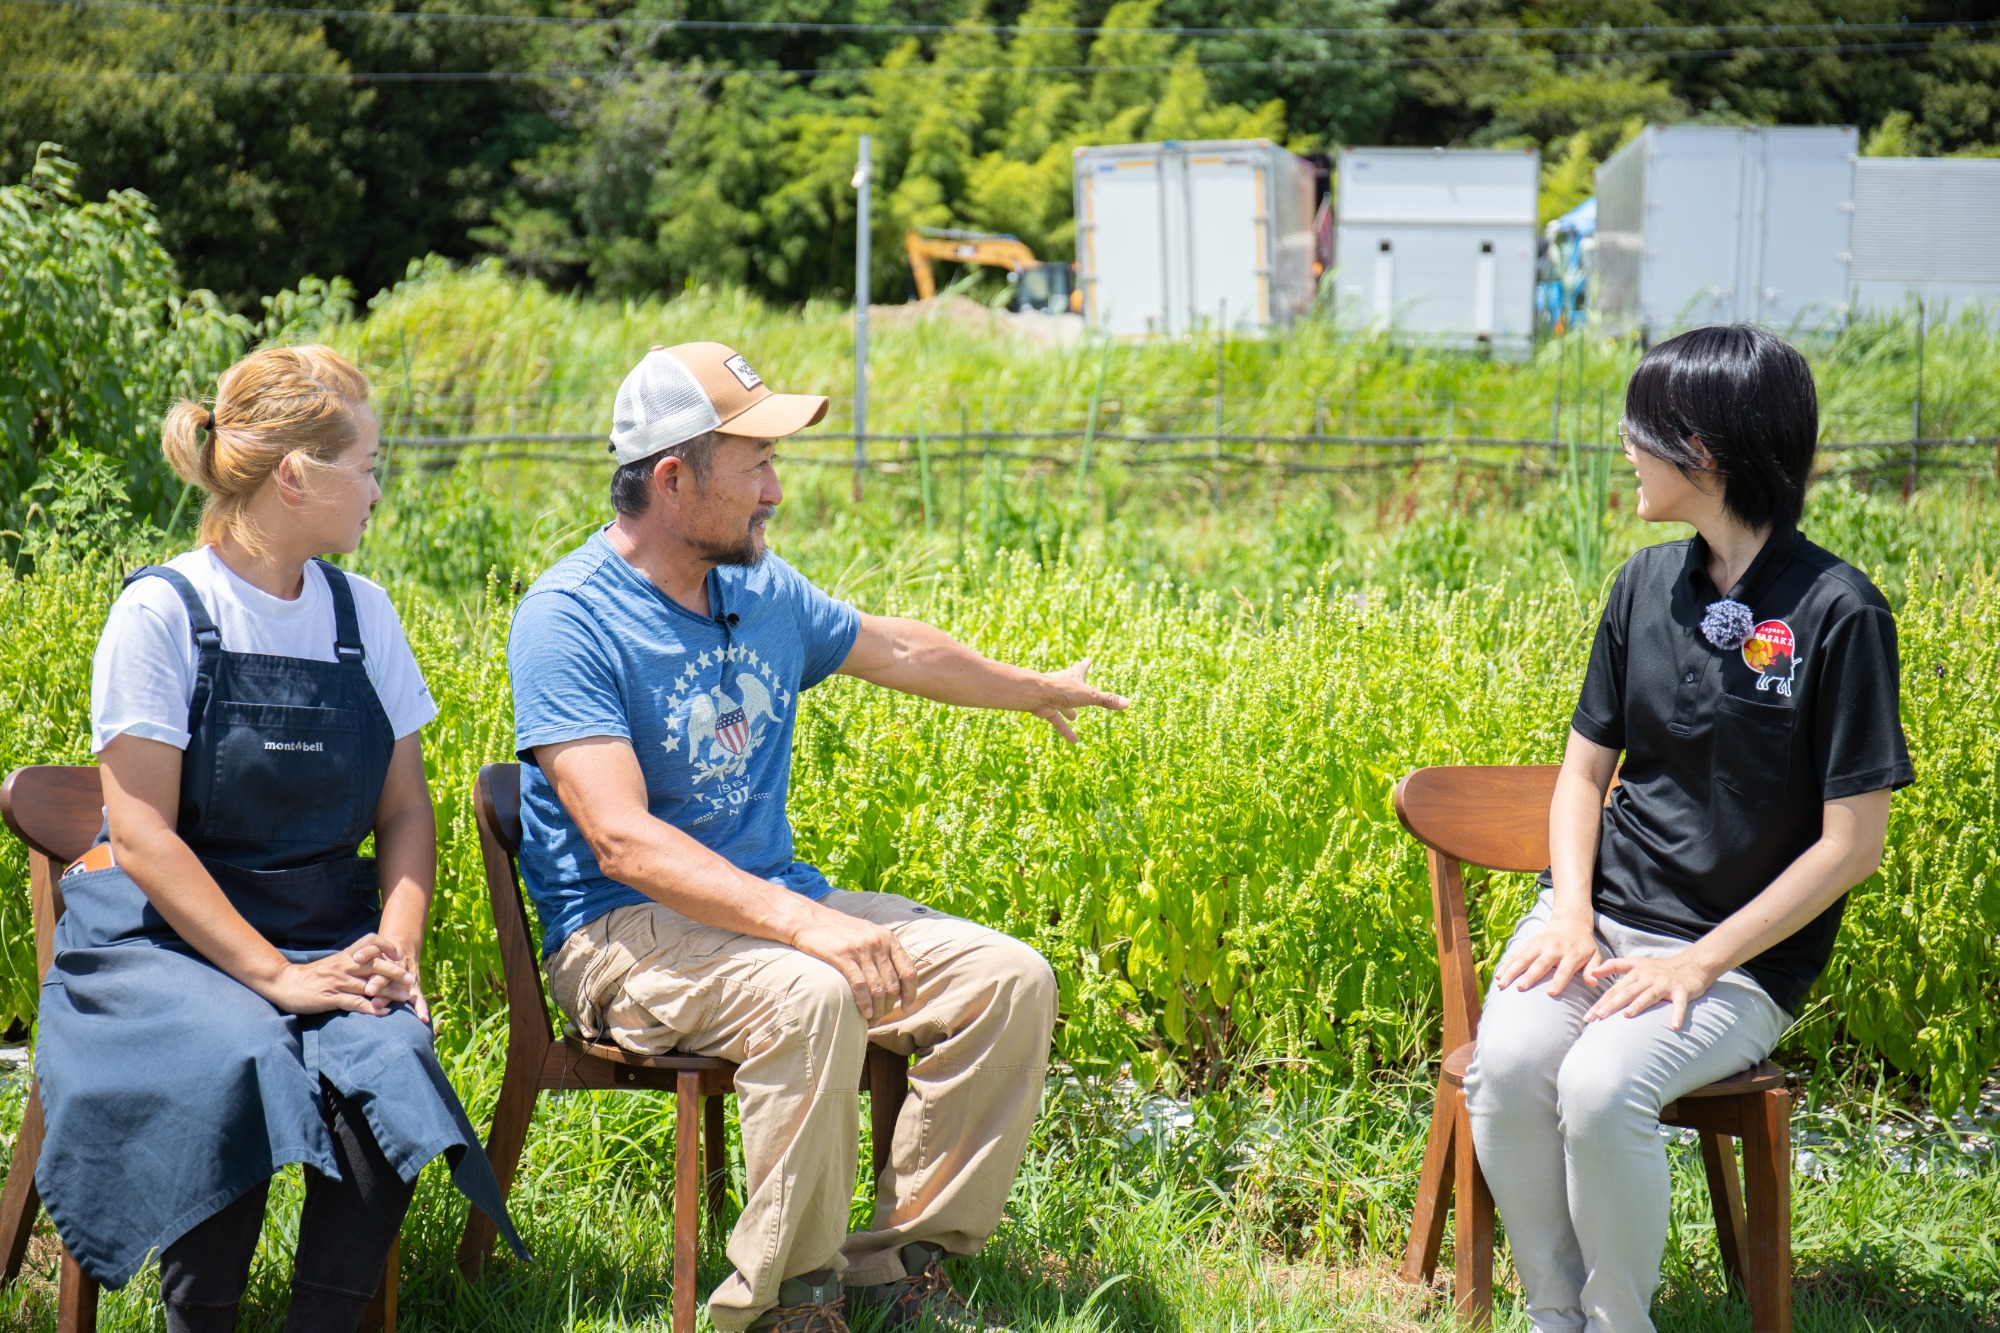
x=1294 y=454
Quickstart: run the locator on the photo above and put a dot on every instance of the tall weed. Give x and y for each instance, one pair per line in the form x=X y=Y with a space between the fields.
x=1216 y=874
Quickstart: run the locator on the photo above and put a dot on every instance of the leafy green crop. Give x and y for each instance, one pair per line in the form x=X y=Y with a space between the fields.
x=1216 y=874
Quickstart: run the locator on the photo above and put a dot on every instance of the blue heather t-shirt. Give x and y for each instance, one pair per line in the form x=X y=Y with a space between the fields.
x=707 y=702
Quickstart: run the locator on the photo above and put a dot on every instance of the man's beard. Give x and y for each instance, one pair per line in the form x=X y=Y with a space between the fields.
x=745 y=550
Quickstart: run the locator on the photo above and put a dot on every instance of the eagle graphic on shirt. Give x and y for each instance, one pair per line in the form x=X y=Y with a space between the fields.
x=722 y=733
x=717 y=729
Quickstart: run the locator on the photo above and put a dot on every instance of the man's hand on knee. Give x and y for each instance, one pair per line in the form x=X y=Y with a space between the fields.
x=872 y=959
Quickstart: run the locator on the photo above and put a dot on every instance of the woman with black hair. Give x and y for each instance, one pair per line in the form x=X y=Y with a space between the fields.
x=1748 y=679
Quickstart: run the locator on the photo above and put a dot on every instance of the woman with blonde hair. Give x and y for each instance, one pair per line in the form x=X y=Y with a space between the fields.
x=235 y=987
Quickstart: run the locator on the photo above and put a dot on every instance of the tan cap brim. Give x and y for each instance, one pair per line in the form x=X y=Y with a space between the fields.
x=775 y=417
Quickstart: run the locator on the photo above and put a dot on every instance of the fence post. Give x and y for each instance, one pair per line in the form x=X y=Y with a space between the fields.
x=1556 y=407
x=924 y=469
x=964 y=443
x=864 y=176
x=1916 y=408
x=1090 y=426
x=1215 y=445
x=988 y=488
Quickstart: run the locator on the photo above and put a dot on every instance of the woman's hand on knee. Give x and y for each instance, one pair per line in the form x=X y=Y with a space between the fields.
x=1645 y=982
x=367 y=977
x=1561 y=950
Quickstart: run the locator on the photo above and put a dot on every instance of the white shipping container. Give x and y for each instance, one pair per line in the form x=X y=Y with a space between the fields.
x=1706 y=224
x=1179 y=237
x=1438 y=244
x=1929 y=228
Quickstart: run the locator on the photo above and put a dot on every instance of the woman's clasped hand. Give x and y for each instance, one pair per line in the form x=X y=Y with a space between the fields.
x=370 y=976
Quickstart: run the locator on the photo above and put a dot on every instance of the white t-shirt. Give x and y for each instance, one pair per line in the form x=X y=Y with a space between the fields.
x=142 y=676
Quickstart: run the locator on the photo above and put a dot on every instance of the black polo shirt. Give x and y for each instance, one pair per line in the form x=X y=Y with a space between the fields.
x=1730 y=754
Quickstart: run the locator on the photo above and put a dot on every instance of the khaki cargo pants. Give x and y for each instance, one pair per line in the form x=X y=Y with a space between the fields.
x=652 y=981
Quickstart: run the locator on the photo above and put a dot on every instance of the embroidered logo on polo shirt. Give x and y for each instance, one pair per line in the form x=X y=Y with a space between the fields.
x=1769 y=652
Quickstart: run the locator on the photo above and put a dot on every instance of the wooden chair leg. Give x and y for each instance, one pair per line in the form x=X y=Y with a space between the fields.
x=888 y=1087
x=1725 y=1199
x=20 y=1202
x=715 y=1158
x=380 y=1316
x=1767 y=1189
x=519 y=1086
x=1472 y=1248
x=687 y=1194
x=1420 y=1256
x=76 y=1298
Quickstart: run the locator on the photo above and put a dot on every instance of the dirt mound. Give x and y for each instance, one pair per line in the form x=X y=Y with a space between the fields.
x=962 y=313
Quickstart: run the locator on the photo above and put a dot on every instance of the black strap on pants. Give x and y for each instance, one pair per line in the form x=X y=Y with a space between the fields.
x=345 y=1232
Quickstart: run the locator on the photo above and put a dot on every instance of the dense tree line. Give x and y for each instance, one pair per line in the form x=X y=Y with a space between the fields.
x=639 y=146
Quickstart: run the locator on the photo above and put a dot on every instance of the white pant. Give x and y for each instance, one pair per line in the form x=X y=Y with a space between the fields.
x=1565 y=1120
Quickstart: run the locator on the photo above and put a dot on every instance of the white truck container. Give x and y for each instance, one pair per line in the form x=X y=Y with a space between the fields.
x=1705 y=224
x=1438 y=244
x=1183 y=237
x=1929 y=228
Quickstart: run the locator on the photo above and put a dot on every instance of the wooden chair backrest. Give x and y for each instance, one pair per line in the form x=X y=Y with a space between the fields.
x=56 y=809
x=1494 y=816
x=497 y=806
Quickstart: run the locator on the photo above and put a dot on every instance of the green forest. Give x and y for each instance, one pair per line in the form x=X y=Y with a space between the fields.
x=638 y=148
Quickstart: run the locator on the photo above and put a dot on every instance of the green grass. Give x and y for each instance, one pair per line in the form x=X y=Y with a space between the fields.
x=1216 y=874
x=1277 y=1207
x=473 y=350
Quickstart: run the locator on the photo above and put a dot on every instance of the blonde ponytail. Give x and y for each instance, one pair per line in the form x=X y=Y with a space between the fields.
x=184 y=440
x=277 y=403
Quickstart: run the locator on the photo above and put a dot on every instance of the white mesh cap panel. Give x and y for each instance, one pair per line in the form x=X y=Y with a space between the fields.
x=660 y=404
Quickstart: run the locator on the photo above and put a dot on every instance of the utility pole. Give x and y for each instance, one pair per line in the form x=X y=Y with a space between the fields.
x=864 y=179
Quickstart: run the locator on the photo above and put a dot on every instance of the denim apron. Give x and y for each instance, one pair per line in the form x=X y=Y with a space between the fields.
x=168 y=1087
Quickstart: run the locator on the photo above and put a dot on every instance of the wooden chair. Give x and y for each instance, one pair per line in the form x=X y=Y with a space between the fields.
x=1499 y=818
x=56 y=811
x=538 y=1062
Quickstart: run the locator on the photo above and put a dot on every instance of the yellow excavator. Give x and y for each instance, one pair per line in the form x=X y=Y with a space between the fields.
x=1048 y=288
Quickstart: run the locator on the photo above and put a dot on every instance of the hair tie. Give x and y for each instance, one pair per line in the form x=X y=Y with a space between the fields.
x=208 y=422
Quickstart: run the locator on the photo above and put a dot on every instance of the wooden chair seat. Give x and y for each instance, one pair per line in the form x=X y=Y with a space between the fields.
x=612 y=1053
x=1760 y=1077
x=538 y=1061
x=56 y=810
x=1498 y=818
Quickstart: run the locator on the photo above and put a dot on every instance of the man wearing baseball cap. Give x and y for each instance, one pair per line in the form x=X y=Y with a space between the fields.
x=657 y=671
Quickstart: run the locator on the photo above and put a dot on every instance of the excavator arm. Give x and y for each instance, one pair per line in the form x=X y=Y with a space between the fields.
x=1039 y=286
x=962 y=247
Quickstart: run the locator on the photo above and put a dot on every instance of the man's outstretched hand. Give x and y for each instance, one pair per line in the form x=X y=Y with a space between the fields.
x=1068 y=691
x=923 y=660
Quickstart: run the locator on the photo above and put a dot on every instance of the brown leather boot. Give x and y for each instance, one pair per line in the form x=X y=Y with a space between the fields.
x=923 y=1302
x=808 y=1303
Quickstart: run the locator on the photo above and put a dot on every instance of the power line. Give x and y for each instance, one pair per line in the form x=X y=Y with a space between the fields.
x=801 y=27
x=871 y=71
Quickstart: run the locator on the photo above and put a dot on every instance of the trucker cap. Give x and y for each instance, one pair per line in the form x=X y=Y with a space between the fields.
x=679 y=392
